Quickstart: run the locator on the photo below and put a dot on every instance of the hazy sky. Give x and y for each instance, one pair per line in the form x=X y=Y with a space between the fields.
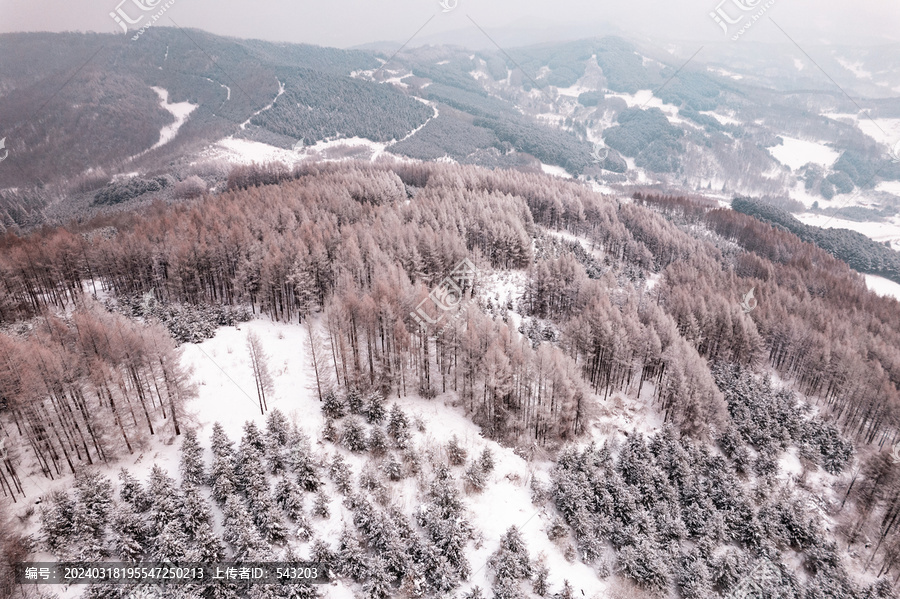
x=345 y=23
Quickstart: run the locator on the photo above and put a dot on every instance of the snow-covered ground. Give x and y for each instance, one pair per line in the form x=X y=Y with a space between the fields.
x=888 y=230
x=180 y=110
x=796 y=152
x=882 y=286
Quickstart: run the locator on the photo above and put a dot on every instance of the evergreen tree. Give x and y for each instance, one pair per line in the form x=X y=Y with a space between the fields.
x=320 y=507
x=398 y=427
x=354 y=401
x=94 y=495
x=131 y=491
x=340 y=473
x=332 y=406
x=456 y=454
x=165 y=501
x=378 y=441
x=353 y=436
x=222 y=473
x=240 y=531
x=374 y=411
x=191 y=466
x=130 y=536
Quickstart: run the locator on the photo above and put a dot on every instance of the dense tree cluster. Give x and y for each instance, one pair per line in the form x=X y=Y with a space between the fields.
x=83 y=389
x=857 y=250
x=674 y=513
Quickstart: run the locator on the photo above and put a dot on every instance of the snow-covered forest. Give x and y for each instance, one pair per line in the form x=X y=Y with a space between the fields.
x=603 y=376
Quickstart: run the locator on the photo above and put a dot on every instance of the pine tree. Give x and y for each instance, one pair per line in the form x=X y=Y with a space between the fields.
x=351 y=559
x=353 y=437
x=301 y=462
x=171 y=544
x=486 y=461
x=56 y=520
x=191 y=466
x=130 y=535
x=378 y=441
x=398 y=427
x=240 y=532
x=222 y=473
x=340 y=473
x=329 y=432
x=378 y=585
x=165 y=501
x=131 y=491
x=375 y=412
x=278 y=433
x=320 y=507
x=393 y=469
x=93 y=491
x=332 y=406
x=195 y=511
x=456 y=454
x=207 y=547
x=511 y=560
x=354 y=401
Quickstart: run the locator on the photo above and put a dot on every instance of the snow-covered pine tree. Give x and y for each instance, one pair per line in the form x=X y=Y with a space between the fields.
x=222 y=472
x=320 y=507
x=195 y=510
x=277 y=436
x=393 y=468
x=474 y=478
x=511 y=562
x=206 y=547
x=486 y=460
x=378 y=441
x=131 y=491
x=354 y=401
x=129 y=533
x=353 y=436
x=240 y=531
x=378 y=585
x=351 y=558
x=332 y=406
x=171 y=544
x=398 y=427
x=94 y=494
x=165 y=500
x=374 y=411
x=302 y=464
x=456 y=454
x=340 y=473
x=191 y=466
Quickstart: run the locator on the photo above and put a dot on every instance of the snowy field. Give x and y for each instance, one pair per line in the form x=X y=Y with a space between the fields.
x=882 y=286
x=180 y=110
x=794 y=153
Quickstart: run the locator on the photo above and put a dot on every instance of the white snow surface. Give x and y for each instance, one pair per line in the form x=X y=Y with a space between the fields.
x=883 y=287
x=796 y=152
x=180 y=110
